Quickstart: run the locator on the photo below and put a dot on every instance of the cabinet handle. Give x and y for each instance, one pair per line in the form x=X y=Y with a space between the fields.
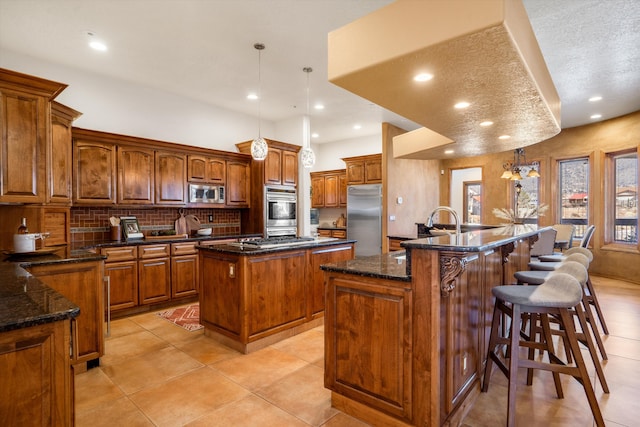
x=107 y=279
x=74 y=339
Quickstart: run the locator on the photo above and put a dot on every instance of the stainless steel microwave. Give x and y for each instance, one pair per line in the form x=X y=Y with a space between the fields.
x=203 y=193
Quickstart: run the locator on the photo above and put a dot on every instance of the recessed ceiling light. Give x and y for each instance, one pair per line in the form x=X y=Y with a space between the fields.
x=319 y=107
x=461 y=105
x=596 y=116
x=252 y=96
x=94 y=43
x=448 y=151
x=486 y=123
x=423 y=77
x=595 y=99
x=504 y=137
x=356 y=127
x=314 y=135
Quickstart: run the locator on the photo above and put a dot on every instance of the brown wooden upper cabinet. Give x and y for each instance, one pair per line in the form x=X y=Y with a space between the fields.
x=24 y=132
x=211 y=170
x=238 y=187
x=135 y=176
x=281 y=165
x=364 y=169
x=94 y=164
x=59 y=154
x=170 y=185
x=329 y=189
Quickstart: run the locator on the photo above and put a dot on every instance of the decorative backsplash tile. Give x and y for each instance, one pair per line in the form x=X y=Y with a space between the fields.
x=89 y=224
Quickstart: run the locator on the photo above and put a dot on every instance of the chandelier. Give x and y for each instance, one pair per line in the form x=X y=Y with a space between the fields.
x=512 y=169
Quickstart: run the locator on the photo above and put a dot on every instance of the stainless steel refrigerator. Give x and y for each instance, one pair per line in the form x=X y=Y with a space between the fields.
x=364 y=218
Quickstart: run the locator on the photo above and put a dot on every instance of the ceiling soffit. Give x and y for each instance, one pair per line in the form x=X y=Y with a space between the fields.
x=482 y=52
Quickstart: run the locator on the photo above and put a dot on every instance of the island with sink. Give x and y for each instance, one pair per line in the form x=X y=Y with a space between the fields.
x=257 y=292
x=406 y=332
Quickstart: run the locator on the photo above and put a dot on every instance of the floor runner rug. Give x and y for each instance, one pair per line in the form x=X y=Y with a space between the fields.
x=187 y=317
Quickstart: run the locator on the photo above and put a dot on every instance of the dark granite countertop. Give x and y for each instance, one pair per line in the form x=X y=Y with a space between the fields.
x=26 y=301
x=252 y=250
x=167 y=239
x=392 y=265
x=331 y=227
x=475 y=241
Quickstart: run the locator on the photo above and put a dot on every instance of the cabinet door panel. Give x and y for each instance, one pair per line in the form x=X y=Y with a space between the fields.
x=23 y=148
x=318 y=258
x=331 y=191
x=273 y=167
x=123 y=283
x=154 y=280
x=342 y=190
x=135 y=176
x=216 y=171
x=373 y=171
x=317 y=192
x=170 y=178
x=197 y=168
x=289 y=168
x=184 y=276
x=381 y=315
x=238 y=184
x=355 y=173
x=277 y=291
x=60 y=157
x=95 y=177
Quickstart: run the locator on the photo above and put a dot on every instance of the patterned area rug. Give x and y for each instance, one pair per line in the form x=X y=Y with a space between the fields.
x=186 y=317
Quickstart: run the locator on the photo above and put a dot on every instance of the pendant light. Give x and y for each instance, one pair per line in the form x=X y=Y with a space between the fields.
x=259 y=148
x=307 y=155
x=512 y=170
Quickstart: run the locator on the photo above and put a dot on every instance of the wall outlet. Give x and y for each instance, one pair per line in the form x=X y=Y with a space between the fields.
x=232 y=270
x=399 y=200
x=210 y=218
x=392 y=217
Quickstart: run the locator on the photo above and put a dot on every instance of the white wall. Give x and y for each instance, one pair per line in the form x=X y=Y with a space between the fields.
x=120 y=107
x=329 y=155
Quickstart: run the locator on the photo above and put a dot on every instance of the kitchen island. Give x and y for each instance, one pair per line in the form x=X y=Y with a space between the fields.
x=251 y=297
x=407 y=346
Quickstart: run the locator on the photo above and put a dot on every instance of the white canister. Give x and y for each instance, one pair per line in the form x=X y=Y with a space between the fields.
x=24 y=242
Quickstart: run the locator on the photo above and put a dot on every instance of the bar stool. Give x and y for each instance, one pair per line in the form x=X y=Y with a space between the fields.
x=559 y=295
x=590 y=291
x=580 y=257
x=578 y=271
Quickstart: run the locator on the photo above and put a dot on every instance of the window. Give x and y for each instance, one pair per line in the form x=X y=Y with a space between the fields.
x=472 y=206
x=623 y=195
x=574 y=194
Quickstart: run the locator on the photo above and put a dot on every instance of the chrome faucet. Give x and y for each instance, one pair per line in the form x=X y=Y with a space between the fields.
x=448 y=209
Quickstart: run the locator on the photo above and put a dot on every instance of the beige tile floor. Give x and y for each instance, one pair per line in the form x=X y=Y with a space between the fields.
x=156 y=373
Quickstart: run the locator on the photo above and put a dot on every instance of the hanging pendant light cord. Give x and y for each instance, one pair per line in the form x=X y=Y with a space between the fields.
x=259 y=47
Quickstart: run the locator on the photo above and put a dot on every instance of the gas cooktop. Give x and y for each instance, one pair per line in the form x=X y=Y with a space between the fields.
x=274 y=242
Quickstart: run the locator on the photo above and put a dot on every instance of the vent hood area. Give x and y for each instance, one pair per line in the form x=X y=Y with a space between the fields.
x=482 y=52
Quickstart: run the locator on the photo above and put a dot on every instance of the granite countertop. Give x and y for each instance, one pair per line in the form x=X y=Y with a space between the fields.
x=252 y=250
x=26 y=301
x=475 y=241
x=392 y=265
x=167 y=239
x=330 y=227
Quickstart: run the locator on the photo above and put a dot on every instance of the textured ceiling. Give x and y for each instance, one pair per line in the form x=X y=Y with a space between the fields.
x=203 y=49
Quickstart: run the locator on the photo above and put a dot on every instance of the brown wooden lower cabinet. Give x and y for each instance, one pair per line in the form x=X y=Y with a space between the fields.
x=247 y=300
x=37 y=379
x=339 y=234
x=82 y=284
x=413 y=352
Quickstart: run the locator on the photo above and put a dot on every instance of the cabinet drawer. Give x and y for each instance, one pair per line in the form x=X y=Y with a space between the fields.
x=340 y=234
x=153 y=251
x=183 y=248
x=121 y=253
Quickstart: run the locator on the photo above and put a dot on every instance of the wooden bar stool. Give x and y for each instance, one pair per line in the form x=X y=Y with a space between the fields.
x=590 y=291
x=559 y=295
x=579 y=272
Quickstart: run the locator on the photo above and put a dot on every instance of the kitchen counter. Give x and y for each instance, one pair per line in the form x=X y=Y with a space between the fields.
x=26 y=301
x=392 y=266
x=155 y=240
x=433 y=322
x=244 y=249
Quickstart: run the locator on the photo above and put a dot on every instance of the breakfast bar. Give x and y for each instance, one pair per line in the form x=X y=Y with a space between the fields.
x=406 y=332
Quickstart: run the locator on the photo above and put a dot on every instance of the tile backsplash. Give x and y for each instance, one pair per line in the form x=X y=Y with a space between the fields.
x=92 y=223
